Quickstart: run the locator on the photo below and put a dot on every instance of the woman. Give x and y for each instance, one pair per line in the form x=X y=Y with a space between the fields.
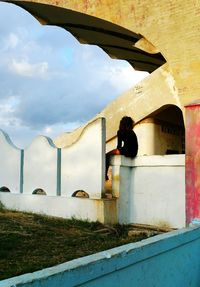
x=127 y=143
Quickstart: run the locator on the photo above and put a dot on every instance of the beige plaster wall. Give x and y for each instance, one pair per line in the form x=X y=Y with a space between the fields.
x=171 y=26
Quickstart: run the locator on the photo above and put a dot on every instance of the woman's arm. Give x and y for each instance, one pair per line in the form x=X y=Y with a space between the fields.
x=119 y=140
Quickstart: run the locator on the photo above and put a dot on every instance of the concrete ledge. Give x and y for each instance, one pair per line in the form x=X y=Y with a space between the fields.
x=154 y=160
x=102 y=210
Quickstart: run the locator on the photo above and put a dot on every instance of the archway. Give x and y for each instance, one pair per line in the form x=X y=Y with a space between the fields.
x=162 y=132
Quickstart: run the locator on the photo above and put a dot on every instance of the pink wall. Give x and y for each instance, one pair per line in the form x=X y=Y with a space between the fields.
x=192 y=162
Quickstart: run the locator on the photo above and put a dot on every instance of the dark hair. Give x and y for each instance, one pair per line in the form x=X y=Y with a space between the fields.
x=126 y=123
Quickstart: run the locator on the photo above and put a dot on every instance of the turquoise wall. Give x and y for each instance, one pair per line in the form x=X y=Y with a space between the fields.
x=167 y=260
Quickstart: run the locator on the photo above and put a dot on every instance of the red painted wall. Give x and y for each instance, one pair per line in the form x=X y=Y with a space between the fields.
x=192 y=163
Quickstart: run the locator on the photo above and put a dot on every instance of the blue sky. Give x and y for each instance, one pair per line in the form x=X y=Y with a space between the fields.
x=49 y=82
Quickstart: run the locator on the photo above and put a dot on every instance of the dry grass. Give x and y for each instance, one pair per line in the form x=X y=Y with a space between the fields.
x=30 y=242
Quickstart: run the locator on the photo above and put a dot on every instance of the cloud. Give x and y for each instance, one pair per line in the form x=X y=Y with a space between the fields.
x=49 y=82
x=12 y=41
x=25 y=69
x=7 y=108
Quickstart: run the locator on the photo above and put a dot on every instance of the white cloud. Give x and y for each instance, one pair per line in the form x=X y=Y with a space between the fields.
x=24 y=68
x=7 y=119
x=7 y=109
x=122 y=77
x=11 y=41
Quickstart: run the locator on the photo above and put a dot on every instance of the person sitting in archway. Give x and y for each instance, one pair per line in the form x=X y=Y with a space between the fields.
x=127 y=143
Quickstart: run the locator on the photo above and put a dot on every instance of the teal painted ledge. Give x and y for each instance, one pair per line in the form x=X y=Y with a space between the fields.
x=171 y=259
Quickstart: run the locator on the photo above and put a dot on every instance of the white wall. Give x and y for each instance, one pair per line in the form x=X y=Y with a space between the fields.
x=40 y=166
x=151 y=189
x=10 y=159
x=83 y=163
x=80 y=208
x=146 y=138
x=81 y=166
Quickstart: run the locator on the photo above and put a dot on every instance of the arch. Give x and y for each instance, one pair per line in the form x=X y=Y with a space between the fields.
x=39 y=191
x=80 y=193
x=4 y=189
x=162 y=132
x=171 y=120
x=117 y=41
x=171 y=113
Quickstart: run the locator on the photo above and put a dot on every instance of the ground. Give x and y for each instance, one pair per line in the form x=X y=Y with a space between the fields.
x=30 y=242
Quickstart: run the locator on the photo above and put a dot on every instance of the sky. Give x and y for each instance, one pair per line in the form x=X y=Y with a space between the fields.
x=49 y=82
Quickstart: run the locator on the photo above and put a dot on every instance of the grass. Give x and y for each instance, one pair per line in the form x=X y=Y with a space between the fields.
x=30 y=242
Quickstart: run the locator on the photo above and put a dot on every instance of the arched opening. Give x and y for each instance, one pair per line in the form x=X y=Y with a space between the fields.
x=80 y=193
x=39 y=191
x=4 y=189
x=162 y=132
